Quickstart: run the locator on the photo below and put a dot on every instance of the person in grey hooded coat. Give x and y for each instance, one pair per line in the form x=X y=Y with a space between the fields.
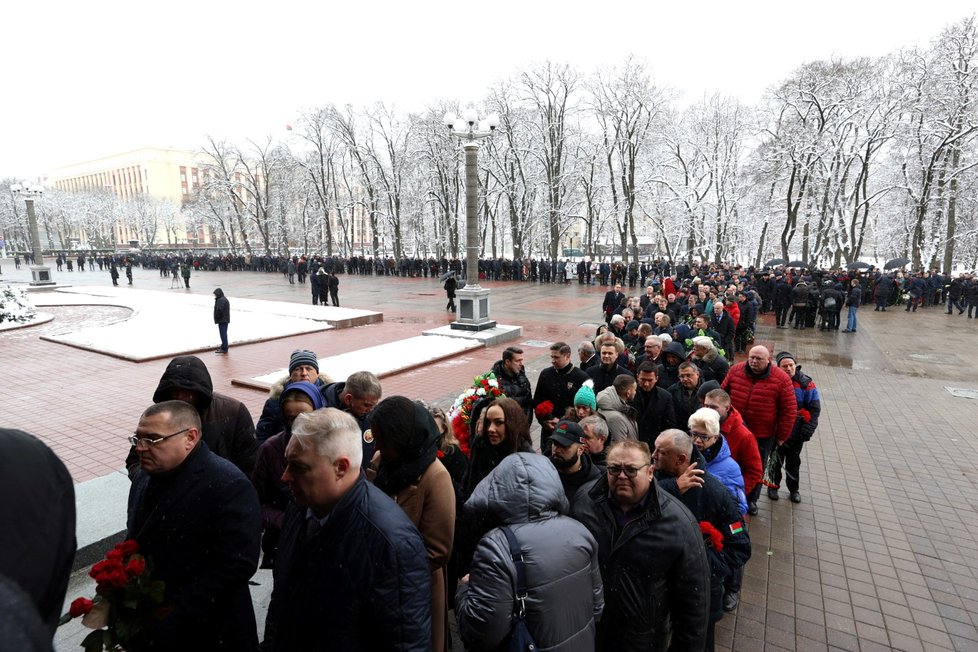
x=564 y=592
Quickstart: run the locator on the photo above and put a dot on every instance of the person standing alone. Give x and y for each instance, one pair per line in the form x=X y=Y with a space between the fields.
x=853 y=300
x=222 y=317
x=450 y=285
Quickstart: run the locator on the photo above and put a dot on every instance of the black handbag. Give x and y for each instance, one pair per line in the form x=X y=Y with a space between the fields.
x=520 y=639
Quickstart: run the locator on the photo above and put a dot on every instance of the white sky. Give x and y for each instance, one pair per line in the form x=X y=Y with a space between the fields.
x=90 y=79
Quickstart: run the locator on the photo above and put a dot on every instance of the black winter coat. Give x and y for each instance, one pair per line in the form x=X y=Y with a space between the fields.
x=655 y=413
x=361 y=582
x=228 y=429
x=515 y=387
x=603 y=378
x=559 y=387
x=200 y=526
x=222 y=308
x=654 y=571
x=714 y=503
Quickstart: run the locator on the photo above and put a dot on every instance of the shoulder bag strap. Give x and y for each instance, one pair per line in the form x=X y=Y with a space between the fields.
x=517 y=554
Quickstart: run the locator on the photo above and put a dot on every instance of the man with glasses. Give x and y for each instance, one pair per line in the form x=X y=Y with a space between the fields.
x=227 y=426
x=652 y=558
x=197 y=519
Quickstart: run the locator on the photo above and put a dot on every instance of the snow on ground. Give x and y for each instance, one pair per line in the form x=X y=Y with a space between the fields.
x=382 y=360
x=39 y=318
x=166 y=324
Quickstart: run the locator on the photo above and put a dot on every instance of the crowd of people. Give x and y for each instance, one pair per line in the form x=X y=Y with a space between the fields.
x=628 y=518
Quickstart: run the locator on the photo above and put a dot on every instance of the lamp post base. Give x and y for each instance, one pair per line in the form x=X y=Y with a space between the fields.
x=473 y=309
x=41 y=275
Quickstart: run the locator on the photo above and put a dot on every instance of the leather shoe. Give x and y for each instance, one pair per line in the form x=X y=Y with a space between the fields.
x=752 y=508
x=795 y=497
x=772 y=493
x=731 y=600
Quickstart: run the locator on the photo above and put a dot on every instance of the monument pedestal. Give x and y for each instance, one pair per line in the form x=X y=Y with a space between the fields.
x=473 y=309
x=41 y=275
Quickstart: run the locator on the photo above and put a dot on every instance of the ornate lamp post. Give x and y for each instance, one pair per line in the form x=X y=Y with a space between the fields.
x=40 y=273
x=473 y=312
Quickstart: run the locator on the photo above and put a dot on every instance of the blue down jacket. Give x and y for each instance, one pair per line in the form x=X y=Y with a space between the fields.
x=726 y=469
x=564 y=594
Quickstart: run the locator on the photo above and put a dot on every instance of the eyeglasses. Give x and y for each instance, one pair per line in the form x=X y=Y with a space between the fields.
x=701 y=436
x=149 y=443
x=630 y=471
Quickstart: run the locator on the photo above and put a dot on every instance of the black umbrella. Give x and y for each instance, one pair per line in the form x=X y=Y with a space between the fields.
x=774 y=262
x=444 y=277
x=896 y=263
x=797 y=263
x=858 y=265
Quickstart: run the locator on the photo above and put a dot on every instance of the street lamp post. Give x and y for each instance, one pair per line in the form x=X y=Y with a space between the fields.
x=473 y=314
x=40 y=273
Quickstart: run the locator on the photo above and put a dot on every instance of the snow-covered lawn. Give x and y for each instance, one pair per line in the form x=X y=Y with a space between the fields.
x=166 y=324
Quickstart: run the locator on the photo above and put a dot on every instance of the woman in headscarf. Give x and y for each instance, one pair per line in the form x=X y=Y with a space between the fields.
x=409 y=471
x=273 y=494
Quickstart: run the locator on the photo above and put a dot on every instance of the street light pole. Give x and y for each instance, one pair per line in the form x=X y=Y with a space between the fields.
x=40 y=273
x=473 y=299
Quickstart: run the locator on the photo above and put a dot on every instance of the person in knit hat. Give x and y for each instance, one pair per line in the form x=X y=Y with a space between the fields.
x=303 y=366
x=585 y=403
x=809 y=409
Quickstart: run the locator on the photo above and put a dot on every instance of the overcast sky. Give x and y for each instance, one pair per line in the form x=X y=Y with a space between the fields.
x=90 y=79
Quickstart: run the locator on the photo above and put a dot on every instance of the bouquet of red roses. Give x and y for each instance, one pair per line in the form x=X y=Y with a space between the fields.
x=126 y=599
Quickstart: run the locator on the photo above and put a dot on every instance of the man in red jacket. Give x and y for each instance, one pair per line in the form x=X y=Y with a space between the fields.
x=765 y=397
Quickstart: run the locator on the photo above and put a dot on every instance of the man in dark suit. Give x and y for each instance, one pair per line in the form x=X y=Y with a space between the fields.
x=612 y=299
x=723 y=324
x=197 y=519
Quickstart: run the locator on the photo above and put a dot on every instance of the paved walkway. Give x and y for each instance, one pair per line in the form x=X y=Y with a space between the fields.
x=878 y=556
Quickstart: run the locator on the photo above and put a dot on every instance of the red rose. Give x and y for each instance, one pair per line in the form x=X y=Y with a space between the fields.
x=80 y=607
x=114 y=554
x=545 y=410
x=136 y=566
x=115 y=579
x=128 y=547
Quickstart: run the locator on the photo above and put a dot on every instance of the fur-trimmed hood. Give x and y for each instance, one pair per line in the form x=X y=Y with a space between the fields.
x=275 y=391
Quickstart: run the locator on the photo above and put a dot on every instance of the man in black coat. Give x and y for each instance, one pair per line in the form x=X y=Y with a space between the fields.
x=558 y=384
x=197 y=519
x=722 y=323
x=330 y=595
x=604 y=374
x=612 y=299
x=513 y=381
x=781 y=300
x=333 y=283
x=653 y=404
x=685 y=399
x=228 y=429
x=651 y=553
x=222 y=317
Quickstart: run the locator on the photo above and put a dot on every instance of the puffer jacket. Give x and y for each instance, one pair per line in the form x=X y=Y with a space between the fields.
x=226 y=423
x=622 y=418
x=654 y=569
x=371 y=595
x=809 y=405
x=766 y=401
x=743 y=448
x=515 y=387
x=799 y=295
x=564 y=592
x=725 y=468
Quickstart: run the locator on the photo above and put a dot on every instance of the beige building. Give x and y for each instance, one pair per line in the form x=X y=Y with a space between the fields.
x=172 y=174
